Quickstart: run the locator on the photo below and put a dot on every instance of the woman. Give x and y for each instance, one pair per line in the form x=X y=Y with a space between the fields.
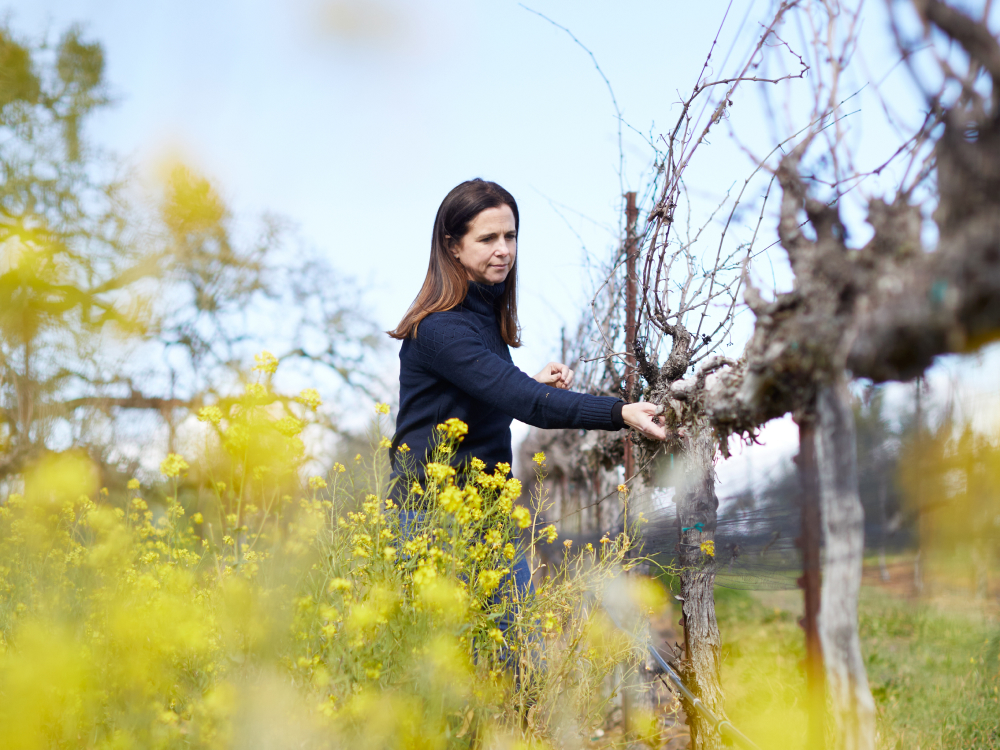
x=455 y=358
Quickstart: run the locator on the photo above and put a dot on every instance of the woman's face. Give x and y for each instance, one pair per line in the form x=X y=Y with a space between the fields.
x=488 y=249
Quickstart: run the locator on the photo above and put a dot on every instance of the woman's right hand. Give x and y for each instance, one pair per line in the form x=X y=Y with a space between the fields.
x=644 y=417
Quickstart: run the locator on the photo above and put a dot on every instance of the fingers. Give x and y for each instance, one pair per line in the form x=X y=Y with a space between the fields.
x=558 y=375
x=654 y=430
x=642 y=416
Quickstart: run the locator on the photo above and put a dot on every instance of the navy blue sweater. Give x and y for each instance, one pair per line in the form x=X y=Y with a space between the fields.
x=459 y=366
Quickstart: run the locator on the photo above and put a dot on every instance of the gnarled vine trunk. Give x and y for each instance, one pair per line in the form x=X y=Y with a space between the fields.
x=696 y=514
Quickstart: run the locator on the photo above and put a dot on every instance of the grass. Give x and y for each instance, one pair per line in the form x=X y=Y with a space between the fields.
x=933 y=665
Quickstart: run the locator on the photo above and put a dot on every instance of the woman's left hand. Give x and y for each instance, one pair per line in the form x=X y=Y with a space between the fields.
x=555 y=374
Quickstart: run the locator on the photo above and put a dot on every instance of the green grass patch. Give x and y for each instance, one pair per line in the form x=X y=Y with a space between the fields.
x=934 y=669
x=934 y=674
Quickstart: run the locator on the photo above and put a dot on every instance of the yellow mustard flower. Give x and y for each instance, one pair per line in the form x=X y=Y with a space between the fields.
x=381 y=408
x=133 y=484
x=266 y=362
x=512 y=488
x=256 y=391
x=708 y=548
x=509 y=551
x=622 y=489
x=339 y=584
x=503 y=469
x=521 y=517
x=173 y=465
x=496 y=635
x=450 y=499
x=539 y=458
x=211 y=414
x=289 y=426
x=490 y=579
x=550 y=533
x=454 y=428
x=385 y=443
x=310 y=398
x=404 y=448
x=197 y=518
x=568 y=543
x=477 y=464
x=317 y=483
x=416 y=489
x=439 y=472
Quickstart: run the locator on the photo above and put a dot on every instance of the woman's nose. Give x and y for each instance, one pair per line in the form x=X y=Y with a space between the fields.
x=502 y=248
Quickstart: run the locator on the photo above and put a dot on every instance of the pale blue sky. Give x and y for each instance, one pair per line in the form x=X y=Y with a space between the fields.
x=353 y=119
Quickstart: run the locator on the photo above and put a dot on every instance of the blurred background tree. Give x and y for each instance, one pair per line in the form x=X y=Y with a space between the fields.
x=122 y=307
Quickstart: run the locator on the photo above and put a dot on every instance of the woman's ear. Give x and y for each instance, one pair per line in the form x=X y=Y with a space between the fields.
x=449 y=244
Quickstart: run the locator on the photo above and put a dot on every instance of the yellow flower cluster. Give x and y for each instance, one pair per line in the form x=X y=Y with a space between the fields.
x=289 y=426
x=266 y=362
x=439 y=473
x=454 y=429
x=489 y=580
x=210 y=414
x=381 y=408
x=173 y=465
x=708 y=548
x=538 y=458
x=521 y=517
x=465 y=505
x=310 y=398
x=255 y=392
x=178 y=600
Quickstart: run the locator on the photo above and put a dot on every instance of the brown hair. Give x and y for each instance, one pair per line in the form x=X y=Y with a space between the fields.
x=446 y=283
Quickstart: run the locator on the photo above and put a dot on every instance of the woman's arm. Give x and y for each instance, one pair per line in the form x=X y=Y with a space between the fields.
x=642 y=416
x=467 y=363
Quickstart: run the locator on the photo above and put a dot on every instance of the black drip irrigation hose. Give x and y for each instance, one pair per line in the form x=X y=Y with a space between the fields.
x=723 y=726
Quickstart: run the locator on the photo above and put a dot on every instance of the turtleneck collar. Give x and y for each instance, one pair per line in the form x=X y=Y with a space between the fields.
x=483 y=298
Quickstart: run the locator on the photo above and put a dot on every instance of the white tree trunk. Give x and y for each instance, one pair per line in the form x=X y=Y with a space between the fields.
x=853 y=707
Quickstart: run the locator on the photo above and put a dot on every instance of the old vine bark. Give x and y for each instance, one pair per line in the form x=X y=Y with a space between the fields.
x=696 y=514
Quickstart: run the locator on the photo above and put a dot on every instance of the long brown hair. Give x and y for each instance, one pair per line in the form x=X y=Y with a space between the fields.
x=446 y=283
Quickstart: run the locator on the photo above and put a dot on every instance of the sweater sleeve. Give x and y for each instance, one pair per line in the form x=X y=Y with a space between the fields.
x=467 y=363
